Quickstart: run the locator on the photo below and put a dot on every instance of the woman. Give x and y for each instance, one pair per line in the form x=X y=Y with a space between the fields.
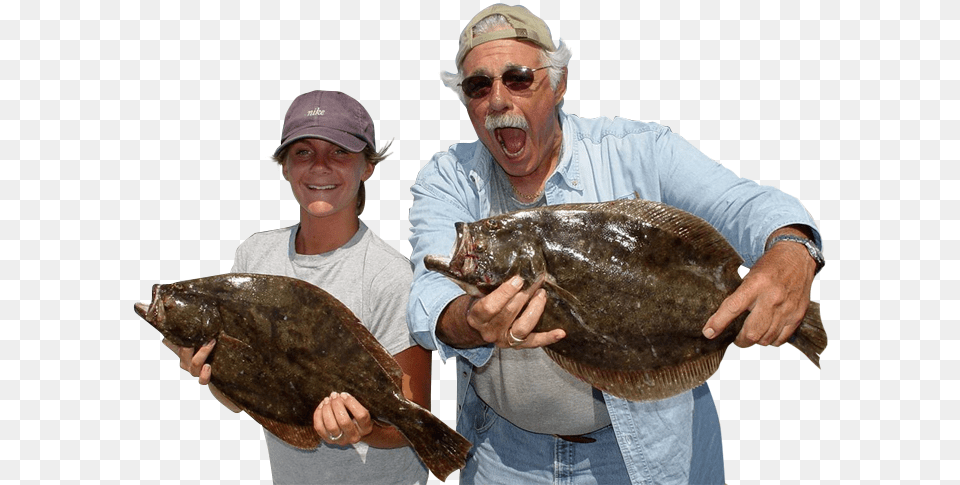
x=327 y=151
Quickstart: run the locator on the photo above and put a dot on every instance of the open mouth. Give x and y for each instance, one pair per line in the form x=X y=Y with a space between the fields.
x=463 y=263
x=153 y=313
x=512 y=141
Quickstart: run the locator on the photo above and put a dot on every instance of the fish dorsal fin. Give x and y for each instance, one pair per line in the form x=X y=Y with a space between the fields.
x=643 y=385
x=701 y=237
x=693 y=230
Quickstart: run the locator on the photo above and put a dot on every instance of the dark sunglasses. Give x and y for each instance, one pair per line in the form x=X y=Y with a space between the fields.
x=515 y=79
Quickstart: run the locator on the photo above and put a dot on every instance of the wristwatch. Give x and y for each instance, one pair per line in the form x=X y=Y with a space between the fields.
x=812 y=248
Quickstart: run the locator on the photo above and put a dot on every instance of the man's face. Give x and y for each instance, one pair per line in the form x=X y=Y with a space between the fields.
x=521 y=152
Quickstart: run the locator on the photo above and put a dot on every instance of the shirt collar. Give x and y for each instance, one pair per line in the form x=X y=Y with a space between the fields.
x=568 y=167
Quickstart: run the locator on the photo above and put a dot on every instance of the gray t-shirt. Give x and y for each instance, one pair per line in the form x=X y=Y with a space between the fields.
x=373 y=281
x=525 y=386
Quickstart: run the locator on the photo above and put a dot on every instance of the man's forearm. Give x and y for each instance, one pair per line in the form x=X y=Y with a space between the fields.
x=801 y=231
x=452 y=327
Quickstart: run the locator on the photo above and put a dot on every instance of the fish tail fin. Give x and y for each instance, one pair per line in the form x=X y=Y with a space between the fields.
x=810 y=337
x=439 y=447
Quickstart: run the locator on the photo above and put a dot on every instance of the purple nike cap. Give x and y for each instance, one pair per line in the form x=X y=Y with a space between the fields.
x=331 y=116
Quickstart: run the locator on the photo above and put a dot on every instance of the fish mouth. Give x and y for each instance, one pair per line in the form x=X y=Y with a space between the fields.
x=141 y=309
x=441 y=265
x=152 y=313
x=463 y=262
x=462 y=267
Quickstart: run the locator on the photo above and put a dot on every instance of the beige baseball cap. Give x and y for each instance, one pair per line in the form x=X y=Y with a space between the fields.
x=526 y=26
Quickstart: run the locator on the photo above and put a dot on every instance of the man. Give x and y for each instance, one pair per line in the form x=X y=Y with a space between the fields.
x=529 y=421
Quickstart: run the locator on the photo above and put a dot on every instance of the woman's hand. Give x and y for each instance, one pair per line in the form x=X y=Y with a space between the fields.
x=341 y=420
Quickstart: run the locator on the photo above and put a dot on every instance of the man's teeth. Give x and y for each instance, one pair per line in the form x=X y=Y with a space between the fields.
x=503 y=146
x=321 y=187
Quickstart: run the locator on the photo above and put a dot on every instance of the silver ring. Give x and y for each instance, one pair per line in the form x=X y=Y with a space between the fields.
x=335 y=438
x=514 y=341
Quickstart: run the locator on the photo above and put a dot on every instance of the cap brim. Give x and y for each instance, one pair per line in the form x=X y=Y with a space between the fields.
x=340 y=138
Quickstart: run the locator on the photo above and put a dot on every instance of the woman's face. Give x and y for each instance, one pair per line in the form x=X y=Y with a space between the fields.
x=325 y=177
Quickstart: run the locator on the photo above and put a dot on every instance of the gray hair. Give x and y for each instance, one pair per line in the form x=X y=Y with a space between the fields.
x=557 y=60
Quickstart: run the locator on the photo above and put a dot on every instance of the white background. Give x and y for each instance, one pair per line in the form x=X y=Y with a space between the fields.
x=134 y=146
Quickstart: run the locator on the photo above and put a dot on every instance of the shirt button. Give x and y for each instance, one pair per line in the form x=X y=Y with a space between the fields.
x=574 y=183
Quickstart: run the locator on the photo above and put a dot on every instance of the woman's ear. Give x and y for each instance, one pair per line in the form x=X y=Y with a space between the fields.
x=368 y=172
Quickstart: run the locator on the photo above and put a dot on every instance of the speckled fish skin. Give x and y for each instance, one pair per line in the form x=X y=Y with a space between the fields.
x=631 y=282
x=283 y=345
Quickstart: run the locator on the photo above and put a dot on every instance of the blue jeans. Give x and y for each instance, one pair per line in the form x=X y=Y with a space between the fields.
x=706 y=465
x=505 y=454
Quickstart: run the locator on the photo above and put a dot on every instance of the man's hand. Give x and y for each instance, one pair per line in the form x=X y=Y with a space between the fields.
x=776 y=292
x=506 y=317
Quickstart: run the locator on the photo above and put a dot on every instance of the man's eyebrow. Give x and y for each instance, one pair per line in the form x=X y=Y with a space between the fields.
x=478 y=71
x=486 y=72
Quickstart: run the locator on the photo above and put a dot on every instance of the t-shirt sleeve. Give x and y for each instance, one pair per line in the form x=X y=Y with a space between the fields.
x=389 y=292
x=238 y=261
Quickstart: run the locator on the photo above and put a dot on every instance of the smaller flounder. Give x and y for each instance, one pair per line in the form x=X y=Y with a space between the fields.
x=283 y=345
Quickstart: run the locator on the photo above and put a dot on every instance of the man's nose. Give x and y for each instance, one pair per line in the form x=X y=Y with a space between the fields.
x=499 y=96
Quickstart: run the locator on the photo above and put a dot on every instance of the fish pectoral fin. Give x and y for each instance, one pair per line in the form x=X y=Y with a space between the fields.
x=237 y=370
x=241 y=373
x=565 y=310
x=300 y=436
x=550 y=284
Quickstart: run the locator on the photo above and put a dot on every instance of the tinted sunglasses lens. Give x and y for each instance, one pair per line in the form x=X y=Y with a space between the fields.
x=518 y=79
x=476 y=86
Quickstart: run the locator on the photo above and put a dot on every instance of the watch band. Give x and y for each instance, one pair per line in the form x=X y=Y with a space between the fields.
x=812 y=248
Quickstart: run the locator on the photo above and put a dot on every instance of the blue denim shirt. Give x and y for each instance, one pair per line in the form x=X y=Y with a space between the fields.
x=603 y=159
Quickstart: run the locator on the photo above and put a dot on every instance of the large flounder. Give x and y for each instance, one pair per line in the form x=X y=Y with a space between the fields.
x=631 y=282
x=283 y=345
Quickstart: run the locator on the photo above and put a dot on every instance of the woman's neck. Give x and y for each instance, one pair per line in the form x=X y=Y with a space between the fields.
x=322 y=235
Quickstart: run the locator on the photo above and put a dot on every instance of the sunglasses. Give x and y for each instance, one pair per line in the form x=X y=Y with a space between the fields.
x=516 y=79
